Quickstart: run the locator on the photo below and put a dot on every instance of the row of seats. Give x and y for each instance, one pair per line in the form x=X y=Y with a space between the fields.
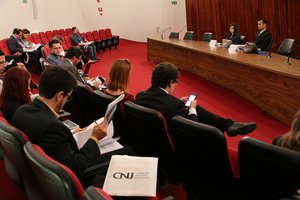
x=103 y=36
x=41 y=176
x=197 y=154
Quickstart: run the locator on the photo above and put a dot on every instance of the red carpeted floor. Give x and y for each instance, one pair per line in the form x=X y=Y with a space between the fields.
x=214 y=98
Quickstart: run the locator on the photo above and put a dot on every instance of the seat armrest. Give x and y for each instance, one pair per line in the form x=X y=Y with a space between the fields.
x=93 y=170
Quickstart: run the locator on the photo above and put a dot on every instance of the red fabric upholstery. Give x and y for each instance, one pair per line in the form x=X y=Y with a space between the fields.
x=49 y=35
x=69 y=31
x=36 y=38
x=43 y=37
x=46 y=51
x=68 y=41
x=102 y=34
x=4 y=46
x=89 y=36
x=108 y=33
x=83 y=35
x=62 y=32
x=96 y=35
x=55 y=32
x=30 y=39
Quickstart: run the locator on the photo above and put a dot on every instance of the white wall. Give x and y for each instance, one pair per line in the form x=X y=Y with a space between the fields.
x=130 y=19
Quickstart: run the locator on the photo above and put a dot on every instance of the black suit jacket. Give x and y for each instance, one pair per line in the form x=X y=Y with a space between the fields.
x=14 y=45
x=263 y=40
x=167 y=104
x=38 y=122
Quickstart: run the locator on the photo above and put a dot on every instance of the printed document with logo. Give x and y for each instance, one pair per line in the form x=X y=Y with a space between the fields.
x=108 y=143
x=131 y=176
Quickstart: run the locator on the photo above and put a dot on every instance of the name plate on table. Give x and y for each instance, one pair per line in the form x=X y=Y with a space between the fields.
x=212 y=43
x=234 y=47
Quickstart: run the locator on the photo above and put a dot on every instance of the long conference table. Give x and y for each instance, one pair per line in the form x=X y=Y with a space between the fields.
x=270 y=83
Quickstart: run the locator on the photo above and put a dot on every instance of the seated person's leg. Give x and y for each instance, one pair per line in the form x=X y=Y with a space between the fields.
x=225 y=125
x=91 y=52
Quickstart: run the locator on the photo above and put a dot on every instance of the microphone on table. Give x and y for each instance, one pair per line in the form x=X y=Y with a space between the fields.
x=272 y=45
x=290 y=53
x=162 y=33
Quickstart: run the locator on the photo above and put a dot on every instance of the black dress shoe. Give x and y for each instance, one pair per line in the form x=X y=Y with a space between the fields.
x=238 y=128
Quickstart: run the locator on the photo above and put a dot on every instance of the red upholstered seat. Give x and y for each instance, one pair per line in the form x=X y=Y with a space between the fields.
x=12 y=142
x=69 y=31
x=62 y=32
x=49 y=35
x=36 y=38
x=55 y=32
x=56 y=180
x=43 y=37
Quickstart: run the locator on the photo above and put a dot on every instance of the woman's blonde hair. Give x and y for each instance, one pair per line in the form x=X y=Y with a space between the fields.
x=119 y=75
x=291 y=139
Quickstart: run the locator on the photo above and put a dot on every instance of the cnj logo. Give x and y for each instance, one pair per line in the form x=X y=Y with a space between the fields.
x=120 y=175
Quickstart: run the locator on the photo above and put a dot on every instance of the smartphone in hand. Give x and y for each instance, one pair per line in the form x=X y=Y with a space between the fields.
x=191 y=98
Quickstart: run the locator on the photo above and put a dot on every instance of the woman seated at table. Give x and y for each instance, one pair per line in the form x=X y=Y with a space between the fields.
x=233 y=34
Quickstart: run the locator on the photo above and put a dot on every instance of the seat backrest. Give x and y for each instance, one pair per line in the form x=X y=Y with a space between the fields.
x=4 y=47
x=49 y=35
x=29 y=38
x=83 y=35
x=46 y=51
x=36 y=38
x=149 y=136
x=89 y=36
x=102 y=34
x=189 y=35
x=43 y=37
x=96 y=35
x=207 y=36
x=55 y=32
x=174 y=35
x=68 y=41
x=12 y=141
x=56 y=180
x=69 y=31
x=81 y=106
x=95 y=193
x=267 y=171
x=108 y=33
x=286 y=47
x=202 y=156
x=101 y=101
x=62 y=32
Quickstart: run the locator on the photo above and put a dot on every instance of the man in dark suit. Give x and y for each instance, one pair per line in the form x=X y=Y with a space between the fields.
x=263 y=39
x=30 y=57
x=39 y=121
x=72 y=58
x=158 y=96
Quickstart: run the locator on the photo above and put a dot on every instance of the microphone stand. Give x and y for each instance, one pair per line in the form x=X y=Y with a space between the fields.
x=289 y=57
x=162 y=33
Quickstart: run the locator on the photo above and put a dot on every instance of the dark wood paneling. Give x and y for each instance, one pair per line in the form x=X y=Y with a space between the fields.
x=216 y=15
x=269 y=83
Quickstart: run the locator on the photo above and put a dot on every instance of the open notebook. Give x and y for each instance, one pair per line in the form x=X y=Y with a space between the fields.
x=108 y=143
